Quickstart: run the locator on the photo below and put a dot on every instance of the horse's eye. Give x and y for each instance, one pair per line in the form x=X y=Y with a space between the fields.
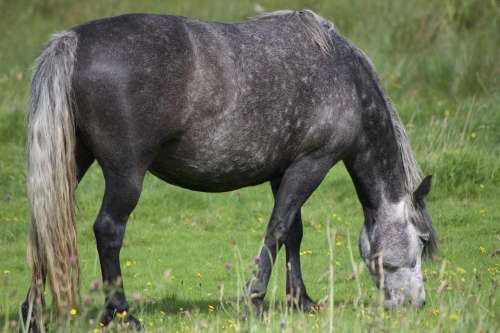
x=389 y=267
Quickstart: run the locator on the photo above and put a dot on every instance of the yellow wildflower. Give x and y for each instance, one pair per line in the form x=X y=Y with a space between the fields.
x=482 y=249
x=453 y=317
x=306 y=252
x=435 y=312
x=73 y=312
x=121 y=315
x=461 y=270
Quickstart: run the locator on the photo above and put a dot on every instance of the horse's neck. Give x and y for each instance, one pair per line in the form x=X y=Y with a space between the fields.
x=376 y=168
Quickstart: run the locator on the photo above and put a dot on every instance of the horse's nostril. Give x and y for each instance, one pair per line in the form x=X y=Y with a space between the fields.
x=419 y=304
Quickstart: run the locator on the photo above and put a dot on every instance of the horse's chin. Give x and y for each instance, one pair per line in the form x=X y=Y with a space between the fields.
x=391 y=304
x=395 y=298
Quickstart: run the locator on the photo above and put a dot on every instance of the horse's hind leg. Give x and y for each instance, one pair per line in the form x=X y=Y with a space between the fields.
x=123 y=188
x=297 y=184
x=296 y=292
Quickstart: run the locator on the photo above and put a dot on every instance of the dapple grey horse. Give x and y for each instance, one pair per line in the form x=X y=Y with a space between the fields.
x=215 y=107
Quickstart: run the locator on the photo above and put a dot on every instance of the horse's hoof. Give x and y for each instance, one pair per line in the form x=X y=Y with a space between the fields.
x=32 y=326
x=253 y=307
x=132 y=323
x=125 y=320
x=107 y=317
x=258 y=306
x=304 y=304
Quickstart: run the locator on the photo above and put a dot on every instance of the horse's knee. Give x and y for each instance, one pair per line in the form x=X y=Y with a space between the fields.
x=283 y=230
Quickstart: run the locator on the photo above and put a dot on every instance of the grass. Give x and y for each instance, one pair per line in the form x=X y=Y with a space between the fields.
x=186 y=254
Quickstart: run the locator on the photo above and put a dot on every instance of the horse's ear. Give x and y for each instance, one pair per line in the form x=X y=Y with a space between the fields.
x=423 y=189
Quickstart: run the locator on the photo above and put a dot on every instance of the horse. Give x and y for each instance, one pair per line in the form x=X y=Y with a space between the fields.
x=214 y=107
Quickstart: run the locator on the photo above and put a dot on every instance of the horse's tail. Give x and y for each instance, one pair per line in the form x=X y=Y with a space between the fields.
x=51 y=174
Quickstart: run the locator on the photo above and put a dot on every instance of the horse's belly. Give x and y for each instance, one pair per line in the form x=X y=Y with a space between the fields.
x=212 y=170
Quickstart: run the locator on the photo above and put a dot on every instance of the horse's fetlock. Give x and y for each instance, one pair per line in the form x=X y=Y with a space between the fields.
x=258 y=289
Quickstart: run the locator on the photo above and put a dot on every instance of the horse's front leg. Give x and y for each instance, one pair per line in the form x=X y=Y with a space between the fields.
x=296 y=292
x=296 y=185
x=120 y=198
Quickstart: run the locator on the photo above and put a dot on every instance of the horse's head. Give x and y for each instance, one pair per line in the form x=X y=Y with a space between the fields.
x=393 y=243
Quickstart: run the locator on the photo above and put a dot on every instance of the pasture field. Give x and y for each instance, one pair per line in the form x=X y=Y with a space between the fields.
x=187 y=255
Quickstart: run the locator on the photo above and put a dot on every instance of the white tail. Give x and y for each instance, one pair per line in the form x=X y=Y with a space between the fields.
x=51 y=174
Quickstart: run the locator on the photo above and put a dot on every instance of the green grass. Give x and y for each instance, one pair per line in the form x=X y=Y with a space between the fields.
x=439 y=61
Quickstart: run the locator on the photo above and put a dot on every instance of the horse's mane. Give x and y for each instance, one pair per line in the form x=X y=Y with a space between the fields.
x=412 y=172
